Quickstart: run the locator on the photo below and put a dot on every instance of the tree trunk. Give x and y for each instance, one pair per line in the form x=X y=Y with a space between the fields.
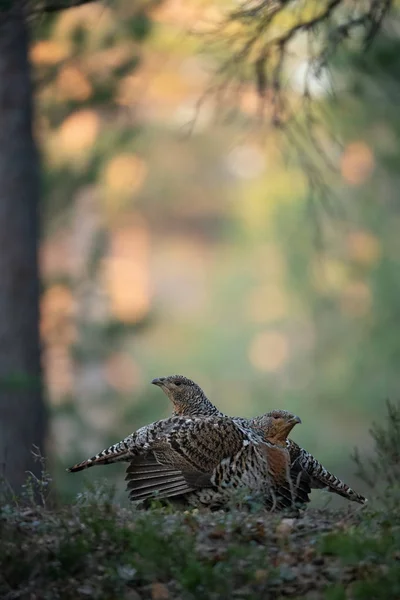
x=22 y=410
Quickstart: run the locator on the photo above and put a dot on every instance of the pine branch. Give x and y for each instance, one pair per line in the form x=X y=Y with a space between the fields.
x=57 y=5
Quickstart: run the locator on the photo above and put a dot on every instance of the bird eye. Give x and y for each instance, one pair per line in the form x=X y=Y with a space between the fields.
x=177 y=382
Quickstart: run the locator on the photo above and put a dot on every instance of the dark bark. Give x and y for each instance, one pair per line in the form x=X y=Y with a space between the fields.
x=22 y=411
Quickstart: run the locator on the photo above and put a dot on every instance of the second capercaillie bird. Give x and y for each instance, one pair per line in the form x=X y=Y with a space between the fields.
x=205 y=460
x=189 y=399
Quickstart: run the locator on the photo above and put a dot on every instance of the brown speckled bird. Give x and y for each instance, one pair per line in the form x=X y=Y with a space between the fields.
x=189 y=399
x=206 y=459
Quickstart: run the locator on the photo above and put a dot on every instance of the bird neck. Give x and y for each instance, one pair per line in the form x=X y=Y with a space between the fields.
x=280 y=443
x=276 y=438
x=209 y=409
x=197 y=405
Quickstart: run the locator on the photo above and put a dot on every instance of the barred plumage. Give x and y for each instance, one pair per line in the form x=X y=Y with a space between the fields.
x=320 y=477
x=206 y=459
x=189 y=399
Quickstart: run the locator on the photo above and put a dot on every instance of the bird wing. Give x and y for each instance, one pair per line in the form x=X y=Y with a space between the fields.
x=133 y=444
x=184 y=458
x=123 y=450
x=148 y=475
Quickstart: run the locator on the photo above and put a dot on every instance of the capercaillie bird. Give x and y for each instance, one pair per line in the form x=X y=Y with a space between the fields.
x=189 y=399
x=205 y=459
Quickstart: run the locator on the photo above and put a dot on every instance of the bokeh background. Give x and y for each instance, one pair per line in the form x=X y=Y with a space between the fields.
x=203 y=252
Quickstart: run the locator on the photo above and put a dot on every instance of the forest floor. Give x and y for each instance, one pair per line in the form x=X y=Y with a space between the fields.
x=98 y=550
x=95 y=549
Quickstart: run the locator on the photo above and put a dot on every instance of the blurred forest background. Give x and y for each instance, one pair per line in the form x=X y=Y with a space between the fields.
x=206 y=254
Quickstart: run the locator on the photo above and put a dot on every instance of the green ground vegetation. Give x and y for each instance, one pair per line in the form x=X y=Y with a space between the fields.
x=95 y=548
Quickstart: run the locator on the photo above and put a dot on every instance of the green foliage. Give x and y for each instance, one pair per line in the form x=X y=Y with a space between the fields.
x=94 y=547
x=372 y=548
x=381 y=470
x=373 y=558
x=336 y=592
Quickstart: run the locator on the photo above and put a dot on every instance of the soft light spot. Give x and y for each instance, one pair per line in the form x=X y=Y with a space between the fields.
x=304 y=76
x=125 y=174
x=78 y=132
x=269 y=351
x=364 y=248
x=250 y=102
x=357 y=163
x=47 y=52
x=126 y=272
x=73 y=85
x=246 y=162
x=57 y=312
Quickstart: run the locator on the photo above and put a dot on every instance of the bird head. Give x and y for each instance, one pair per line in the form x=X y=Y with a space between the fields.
x=276 y=425
x=187 y=397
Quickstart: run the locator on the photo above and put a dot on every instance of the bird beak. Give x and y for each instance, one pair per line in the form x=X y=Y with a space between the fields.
x=158 y=381
x=295 y=420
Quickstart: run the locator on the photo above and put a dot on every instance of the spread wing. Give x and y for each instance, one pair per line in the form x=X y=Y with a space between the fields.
x=147 y=477
x=183 y=459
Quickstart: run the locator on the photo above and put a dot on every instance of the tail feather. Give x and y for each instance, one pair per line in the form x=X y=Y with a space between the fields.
x=321 y=478
x=116 y=453
x=335 y=485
